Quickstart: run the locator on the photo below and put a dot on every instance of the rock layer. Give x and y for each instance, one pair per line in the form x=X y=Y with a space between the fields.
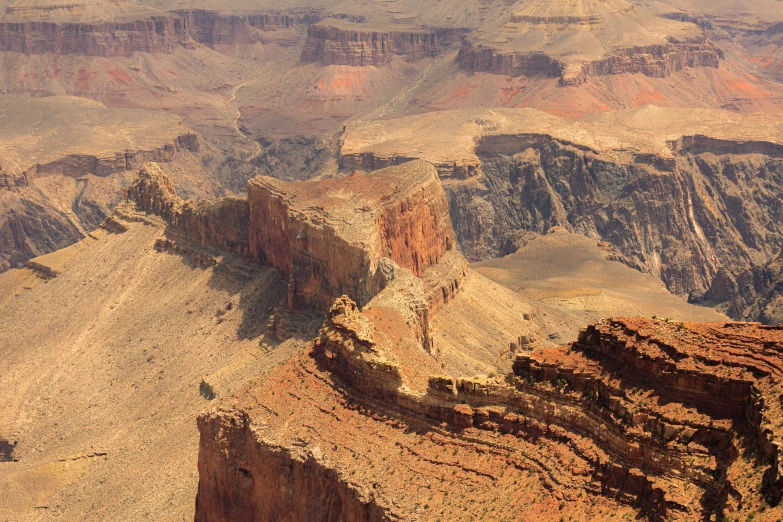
x=327 y=238
x=681 y=201
x=337 y=42
x=656 y=61
x=649 y=413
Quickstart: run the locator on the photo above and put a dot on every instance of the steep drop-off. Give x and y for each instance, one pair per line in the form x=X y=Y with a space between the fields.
x=339 y=42
x=683 y=194
x=668 y=420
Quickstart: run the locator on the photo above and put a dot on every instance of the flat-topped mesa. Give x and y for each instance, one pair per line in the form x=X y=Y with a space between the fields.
x=573 y=40
x=328 y=237
x=655 y=61
x=339 y=42
x=349 y=236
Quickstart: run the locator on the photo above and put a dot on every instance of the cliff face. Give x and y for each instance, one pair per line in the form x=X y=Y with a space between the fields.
x=681 y=219
x=76 y=165
x=351 y=44
x=34 y=221
x=650 y=413
x=657 y=61
x=222 y=223
x=154 y=35
x=476 y=58
x=215 y=29
x=328 y=237
x=246 y=480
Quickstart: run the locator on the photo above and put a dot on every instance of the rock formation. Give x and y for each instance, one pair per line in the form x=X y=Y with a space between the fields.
x=329 y=237
x=683 y=194
x=340 y=42
x=140 y=30
x=551 y=39
x=52 y=196
x=656 y=415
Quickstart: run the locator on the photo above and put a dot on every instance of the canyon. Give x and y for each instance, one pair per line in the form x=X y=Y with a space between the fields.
x=508 y=170
x=339 y=260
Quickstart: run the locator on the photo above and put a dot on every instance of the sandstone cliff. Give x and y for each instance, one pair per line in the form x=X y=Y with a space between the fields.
x=655 y=61
x=143 y=31
x=337 y=42
x=328 y=237
x=644 y=413
x=251 y=481
x=153 y=35
x=222 y=223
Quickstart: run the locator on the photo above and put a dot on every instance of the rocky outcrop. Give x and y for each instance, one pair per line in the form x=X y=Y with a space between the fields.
x=213 y=28
x=478 y=58
x=753 y=293
x=248 y=480
x=650 y=413
x=657 y=61
x=328 y=237
x=353 y=44
x=715 y=215
x=77 y=165
x=152 y=35
x=221 y=223
x=346 y=236
x=7 y=450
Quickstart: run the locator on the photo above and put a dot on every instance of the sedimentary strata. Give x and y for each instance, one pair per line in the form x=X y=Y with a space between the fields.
x=655 y=61
x=339 y=42
x=683 y=194
x=141 y=30
x=670 y=420
x=329 y=237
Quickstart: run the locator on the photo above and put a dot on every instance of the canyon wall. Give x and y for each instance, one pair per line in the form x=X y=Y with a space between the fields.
x=682 y=219
x=650 y=413
x=328 y=245
x=76 y=165
x=156 y=34
x=221 y=223
x=153 y=35
x=657 y=61
x=354 y=45
x=477 y=58
x=246 y=480
x=215 y=29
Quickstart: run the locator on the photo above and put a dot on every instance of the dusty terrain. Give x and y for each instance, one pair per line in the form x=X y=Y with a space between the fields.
x=585 y=280
x=104 y=378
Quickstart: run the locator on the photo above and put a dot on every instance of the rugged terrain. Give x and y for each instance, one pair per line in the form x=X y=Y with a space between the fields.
x=388 y=261
x=640 y=418
x=64 y=161
x=683 y=194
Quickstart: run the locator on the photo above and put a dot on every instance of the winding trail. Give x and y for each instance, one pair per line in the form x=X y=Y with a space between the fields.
x=232 y=97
